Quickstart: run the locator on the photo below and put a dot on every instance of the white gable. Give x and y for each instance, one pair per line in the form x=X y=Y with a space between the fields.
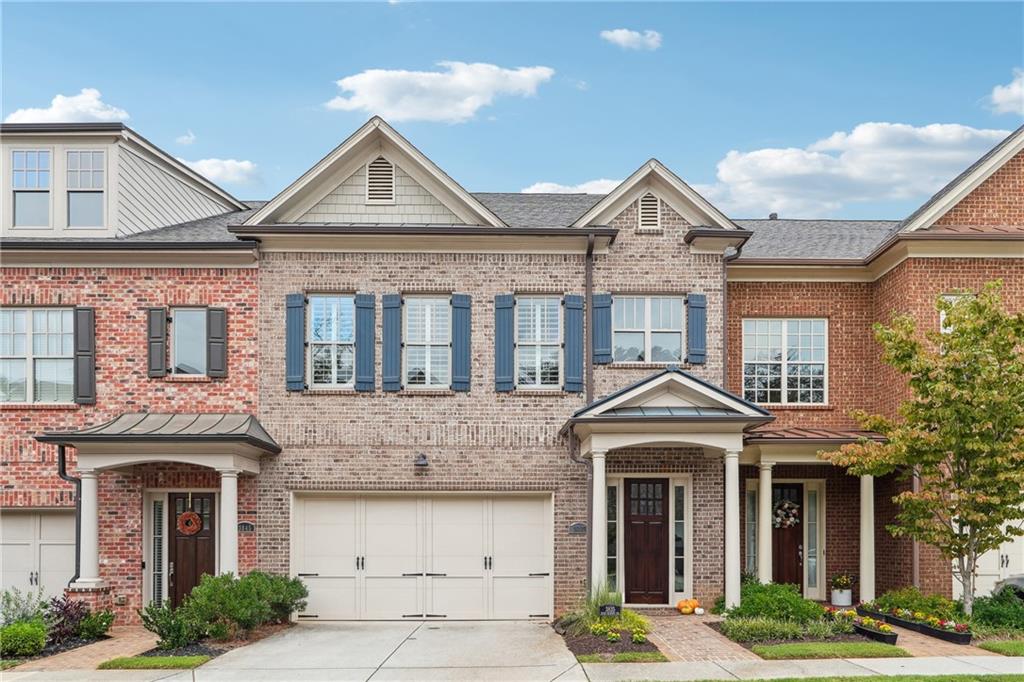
x=673 y=389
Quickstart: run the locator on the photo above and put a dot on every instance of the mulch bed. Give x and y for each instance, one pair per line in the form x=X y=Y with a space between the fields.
x=213 y=648
x=592 y=644
x=717 y=627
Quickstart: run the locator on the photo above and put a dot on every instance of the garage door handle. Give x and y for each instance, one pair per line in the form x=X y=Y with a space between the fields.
x=308 y=575
x=536 y=575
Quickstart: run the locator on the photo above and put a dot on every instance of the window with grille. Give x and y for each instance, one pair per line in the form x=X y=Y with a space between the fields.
x=158 y=552
x=332 y=338
x=785 y=361
x=85 y=181
x=428 y=348
x=30 y=180
x=380 y=181
x=650 y=212
x=613 y=539
x=37 y=355
x=647 y=328
x=539 y=341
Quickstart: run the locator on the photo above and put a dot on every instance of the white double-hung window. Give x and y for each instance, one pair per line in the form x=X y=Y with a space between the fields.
x=539 y=341
x=428 y=341
x=785 y=361
x=332 y=339
x=85 y=183
x=37 y=355
x=647 y=328
x=30 y=180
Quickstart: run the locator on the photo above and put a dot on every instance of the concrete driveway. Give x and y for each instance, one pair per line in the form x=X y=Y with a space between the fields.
x=399 y=651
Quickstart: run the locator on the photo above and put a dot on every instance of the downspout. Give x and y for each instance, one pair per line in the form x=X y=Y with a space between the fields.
x=62 y=471
x=725 y=313
x=588 y=286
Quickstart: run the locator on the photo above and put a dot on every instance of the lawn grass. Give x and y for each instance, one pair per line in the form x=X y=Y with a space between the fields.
x=624 y=657
x=1011 y=648
x=154 y=663
x=903 y=678
x=8 y=663
x=827 y=650
x=590 y=658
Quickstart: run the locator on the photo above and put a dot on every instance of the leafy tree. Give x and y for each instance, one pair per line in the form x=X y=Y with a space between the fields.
x=961 y=433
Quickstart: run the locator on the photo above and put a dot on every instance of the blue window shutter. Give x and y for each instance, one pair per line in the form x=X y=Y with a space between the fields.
x=366 y=320
x=601 y=318
x=295 y=342
x=573 y=373
x=696 y=328
x=391 y=348
x=504 y=343
x=461 y=342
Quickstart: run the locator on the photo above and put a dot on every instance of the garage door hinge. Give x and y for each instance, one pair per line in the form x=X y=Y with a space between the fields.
x=308 y=615
x=437 y=615
x=308 y=575
x=534 y=575
x=540 y=615
x=412 y=615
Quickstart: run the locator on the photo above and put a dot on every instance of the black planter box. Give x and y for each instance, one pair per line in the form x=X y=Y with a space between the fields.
x=884 y=637
x=861 y=611
x=947 y=635
x=899 y=622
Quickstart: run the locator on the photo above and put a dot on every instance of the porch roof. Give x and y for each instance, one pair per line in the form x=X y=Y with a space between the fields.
x=810 y=436
x=198 y=429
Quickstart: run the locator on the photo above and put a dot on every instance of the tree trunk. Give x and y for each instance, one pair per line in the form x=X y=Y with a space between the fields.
x=967 y=578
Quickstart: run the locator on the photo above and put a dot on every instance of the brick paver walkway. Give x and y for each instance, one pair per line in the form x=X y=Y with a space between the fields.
x=688 y=638
x=917 y=644
x=126 y=640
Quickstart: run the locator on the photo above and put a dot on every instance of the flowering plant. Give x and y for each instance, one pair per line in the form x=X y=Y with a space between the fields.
x=930 y=621
x=842 y=581
x=786 y=514
x=873 y=624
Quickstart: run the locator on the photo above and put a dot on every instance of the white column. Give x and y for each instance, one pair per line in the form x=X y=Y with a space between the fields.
x=867 y=538
x=599 y=524
x=764 y=522
x=89 y=542
x=229 y=521
x=732 y=528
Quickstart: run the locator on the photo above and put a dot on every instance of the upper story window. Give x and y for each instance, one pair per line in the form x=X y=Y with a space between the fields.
x=649 y=212
x=428 y=335
x=332 y=339
x=380 y=181
x=85 y=182
x=647 y=329
x=539 y=342
x=188 y=341
x=30 y=181
x=37 y=355
x=785 y=361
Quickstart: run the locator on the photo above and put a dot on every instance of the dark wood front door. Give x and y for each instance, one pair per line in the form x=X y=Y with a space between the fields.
x=190 y=553
x=788 y=533
x=646 y=540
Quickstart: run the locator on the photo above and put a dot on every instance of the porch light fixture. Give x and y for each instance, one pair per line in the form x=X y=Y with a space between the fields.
x=421 y=461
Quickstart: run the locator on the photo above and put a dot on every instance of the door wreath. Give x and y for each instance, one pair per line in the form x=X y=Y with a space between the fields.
x=786 y=514
x=189 y=523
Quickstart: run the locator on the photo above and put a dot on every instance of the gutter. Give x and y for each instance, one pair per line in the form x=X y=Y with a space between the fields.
x=123 y=245
x=63 y=439
x=62 y=471
x=307 y=229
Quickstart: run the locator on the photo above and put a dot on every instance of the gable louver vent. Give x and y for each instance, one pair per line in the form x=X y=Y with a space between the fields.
x=650 y=212
x=380 y=181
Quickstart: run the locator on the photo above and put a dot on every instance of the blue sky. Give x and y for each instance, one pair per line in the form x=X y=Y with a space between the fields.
x=743 y=101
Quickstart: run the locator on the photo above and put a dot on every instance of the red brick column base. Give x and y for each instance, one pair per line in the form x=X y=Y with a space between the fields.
x=98 y=598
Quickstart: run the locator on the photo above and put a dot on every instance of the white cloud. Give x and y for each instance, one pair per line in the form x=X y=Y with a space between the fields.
x=186 y=139
x=1009 y=98
x=633 y=40
x=873 y=162
x=452 y=95
x=86 y=106
x=602 y=186
x=230 y=171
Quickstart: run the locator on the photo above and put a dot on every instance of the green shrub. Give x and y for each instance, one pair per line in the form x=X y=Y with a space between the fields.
x=225 y=599
x=1005 y=608
x=912 y=598
x=175 y=627
x=23 y=638
x=284 y=595
x=16 y=607
x=740 y=629
x=586 y=617
x=63 y=616
x=779 y=602
x=827 y=629
x=96 y=624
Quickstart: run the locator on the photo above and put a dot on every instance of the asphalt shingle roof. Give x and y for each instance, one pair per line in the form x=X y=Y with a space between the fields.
x=537 y=210
x=800 y=239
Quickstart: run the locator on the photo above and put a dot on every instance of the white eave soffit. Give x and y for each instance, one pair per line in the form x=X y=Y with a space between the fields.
x=373 y=139
x=655 y=177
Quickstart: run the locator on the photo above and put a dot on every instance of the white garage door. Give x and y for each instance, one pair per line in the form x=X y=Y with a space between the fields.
x=452 y=557
x=37 y=549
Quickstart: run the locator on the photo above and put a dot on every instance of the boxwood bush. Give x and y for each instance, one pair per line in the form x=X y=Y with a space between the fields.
x=913 y=599
x=23 y=638
x=1004 y=608
x=777 y=602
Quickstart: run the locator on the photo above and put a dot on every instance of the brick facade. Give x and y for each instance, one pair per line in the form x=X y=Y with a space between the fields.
x=997 y=202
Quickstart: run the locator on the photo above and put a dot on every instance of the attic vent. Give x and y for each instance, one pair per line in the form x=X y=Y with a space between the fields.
x=380 y=181
x=650 y=212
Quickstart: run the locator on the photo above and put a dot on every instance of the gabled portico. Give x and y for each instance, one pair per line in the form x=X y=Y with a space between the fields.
x=671 y=409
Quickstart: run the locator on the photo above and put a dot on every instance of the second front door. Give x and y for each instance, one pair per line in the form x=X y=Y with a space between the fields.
x=191 y=551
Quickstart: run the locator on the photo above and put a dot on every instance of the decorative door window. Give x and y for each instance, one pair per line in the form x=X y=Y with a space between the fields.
x=613 y=538
x=679 y=536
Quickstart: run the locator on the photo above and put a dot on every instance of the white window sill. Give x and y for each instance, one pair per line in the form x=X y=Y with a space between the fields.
x=39 y=406
x=426 y=391
x=539 y=391
x=644 y=365
x=331 y=390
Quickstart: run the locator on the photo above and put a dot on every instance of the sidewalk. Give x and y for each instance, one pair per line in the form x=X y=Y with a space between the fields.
x=852 y=667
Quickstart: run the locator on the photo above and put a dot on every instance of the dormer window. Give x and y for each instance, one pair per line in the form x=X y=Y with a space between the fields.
x=30 y=177
x=650 y=213
x=380 y=181
x=85 y=188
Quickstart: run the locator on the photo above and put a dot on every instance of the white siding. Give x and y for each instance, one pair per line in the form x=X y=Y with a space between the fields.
x=150 y=197
x=347 y=204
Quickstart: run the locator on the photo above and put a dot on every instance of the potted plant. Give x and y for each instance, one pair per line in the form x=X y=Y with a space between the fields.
x=874 y=629
x=842 y=589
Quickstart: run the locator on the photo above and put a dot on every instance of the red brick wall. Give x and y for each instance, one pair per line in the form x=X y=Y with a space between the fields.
x=999 y=201
x=28 y=469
